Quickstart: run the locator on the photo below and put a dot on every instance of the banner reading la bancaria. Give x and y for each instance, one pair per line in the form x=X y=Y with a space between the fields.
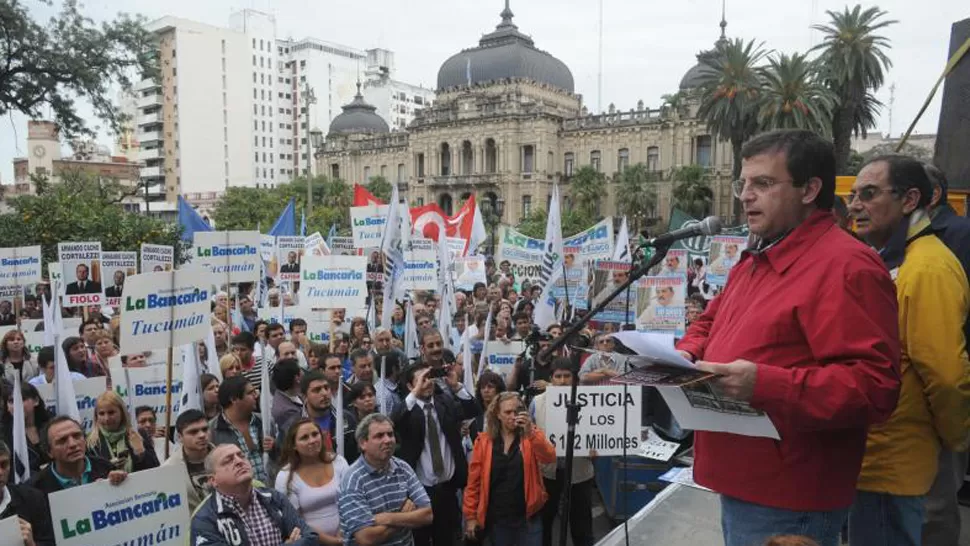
x=167 y=309
x=20 y=266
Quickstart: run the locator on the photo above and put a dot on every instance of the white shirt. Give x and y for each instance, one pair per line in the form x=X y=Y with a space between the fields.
x=41 y=380
x=5 y=501
x=425 y=468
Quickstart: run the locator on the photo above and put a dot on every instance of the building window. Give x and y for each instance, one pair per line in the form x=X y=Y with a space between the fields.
x=569 y=160
x=467 y=158
x=335 y=171
x=653 y=159
x=622 y=159
x=703 y=144
x=400 y=172
x=420 y=165
x=526 y=205
x=551 y=161
x=254 y=60
x=445 y=159
x=595 y=160
x=528 y=158
x=384 y=171
x=366 y=174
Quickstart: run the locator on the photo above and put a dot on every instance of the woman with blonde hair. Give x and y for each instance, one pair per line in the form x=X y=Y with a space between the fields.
x=115 y=440
x=505 y=493
x=230 y=366
x=310 y=478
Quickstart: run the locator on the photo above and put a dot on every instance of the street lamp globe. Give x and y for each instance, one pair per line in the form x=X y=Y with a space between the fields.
x=500 y=208
x=316 y=138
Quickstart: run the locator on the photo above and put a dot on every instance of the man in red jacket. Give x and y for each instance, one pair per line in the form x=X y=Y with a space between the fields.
x=806 y=331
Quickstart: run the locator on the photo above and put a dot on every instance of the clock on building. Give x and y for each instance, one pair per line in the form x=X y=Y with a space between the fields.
x=39 y=151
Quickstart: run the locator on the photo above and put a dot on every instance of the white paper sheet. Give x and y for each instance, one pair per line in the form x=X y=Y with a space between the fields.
x=692 y=417
x=654 y=346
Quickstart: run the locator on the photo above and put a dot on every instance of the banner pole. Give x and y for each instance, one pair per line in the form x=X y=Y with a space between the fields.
x=168 y=398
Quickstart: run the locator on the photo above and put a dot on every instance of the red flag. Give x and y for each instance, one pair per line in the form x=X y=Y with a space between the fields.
x=362 y=197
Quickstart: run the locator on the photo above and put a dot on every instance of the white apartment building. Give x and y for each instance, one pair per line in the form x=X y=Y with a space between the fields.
x=399 y=99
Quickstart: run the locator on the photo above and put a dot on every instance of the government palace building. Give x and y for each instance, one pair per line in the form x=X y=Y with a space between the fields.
x=507 y=124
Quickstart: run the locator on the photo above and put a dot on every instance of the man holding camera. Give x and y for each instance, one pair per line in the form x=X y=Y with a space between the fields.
x=430 y=433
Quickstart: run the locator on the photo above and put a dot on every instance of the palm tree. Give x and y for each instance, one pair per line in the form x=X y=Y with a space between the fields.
x=636 y=196
x=794 y=97
x=587 y=188
x=731 y=92
x=692 y=194
x=853 y=58
x=676 y=102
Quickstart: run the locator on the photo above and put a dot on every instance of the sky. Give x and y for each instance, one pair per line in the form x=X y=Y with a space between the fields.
x=647 y=45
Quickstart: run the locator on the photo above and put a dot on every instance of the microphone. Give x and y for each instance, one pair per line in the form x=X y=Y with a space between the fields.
x=708 y=226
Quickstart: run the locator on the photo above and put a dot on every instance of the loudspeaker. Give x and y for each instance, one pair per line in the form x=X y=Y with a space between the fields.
x=953 y=135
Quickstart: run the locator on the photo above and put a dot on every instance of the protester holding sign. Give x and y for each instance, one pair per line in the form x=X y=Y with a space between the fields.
x=63 y=439
x=25 y=503
x=238 y=424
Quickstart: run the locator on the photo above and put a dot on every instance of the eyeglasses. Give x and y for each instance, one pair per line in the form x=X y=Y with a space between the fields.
x=759 y=185
x=867 y=194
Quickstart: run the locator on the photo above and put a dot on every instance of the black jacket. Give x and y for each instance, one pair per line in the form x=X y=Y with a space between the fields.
x=147 y=460
x=46 y=482
x=451 y=411
x=29 y=504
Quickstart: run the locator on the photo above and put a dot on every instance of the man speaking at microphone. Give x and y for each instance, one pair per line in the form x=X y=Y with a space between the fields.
x=805 y=330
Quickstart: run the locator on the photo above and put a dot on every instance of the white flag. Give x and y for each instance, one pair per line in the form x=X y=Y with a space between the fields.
x=444 y=289
x=191 y=389
x=482 y=357
x=339 y=426
x=212 y=356
x=63 y=384
x=410 y=333
x=478 y=234
x=52 y=315
x=392 y=246
x=622 y=251
x=266 y=402
x=552 y=264
x=466 y=357
x=21 y=473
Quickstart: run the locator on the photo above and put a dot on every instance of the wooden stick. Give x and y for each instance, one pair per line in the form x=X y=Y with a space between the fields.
x=168 y=397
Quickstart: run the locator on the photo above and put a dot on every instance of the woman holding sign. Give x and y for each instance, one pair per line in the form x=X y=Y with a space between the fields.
x=505 y=493
x=310 y=478
x=115 y=440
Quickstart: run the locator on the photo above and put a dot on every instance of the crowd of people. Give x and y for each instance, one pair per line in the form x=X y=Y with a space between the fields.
x=854 y=344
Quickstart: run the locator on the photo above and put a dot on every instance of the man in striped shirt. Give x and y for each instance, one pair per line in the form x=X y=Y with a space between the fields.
x=381 y=499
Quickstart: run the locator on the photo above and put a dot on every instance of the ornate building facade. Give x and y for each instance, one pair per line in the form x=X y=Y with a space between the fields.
x=507 y=124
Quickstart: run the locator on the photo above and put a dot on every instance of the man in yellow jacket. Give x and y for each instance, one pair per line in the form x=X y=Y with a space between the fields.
x=888 y=203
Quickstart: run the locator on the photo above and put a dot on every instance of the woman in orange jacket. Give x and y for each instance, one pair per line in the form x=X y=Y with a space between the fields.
x=505 y=492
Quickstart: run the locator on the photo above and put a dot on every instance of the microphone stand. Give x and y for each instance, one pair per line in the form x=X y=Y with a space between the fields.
x=572 y=407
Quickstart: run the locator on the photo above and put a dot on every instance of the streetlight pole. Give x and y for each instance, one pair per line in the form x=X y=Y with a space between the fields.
x=309 y=98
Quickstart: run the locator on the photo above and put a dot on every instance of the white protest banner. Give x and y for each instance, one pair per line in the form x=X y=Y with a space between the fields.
x=272 y=315
x=147 y=386
x=523 y=253
x=661 y=304
x=367 y=224
x=71 y=326
x=601 y=413
x=30 y=325
x=289 y=254
x=86 y=391
x=33 y=342
x=156 y=258
x=149 y=507
x=81 y=267
x=333 y=282
x=501 y=356
x=116 y=267
x=56 y=274
x=595 y=243
x=20 y=266
x=469 y=270
x=316 y=245
x=167 y=309
x=10 y=532
x=267 y=247
x=420 y=271
x=725 y=253
x=232 y=256
x=343 y=246
x=11 y=302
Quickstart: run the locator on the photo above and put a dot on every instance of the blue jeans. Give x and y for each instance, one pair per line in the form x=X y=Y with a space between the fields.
x=747 y=524
x=881 y=519
x=523 y=533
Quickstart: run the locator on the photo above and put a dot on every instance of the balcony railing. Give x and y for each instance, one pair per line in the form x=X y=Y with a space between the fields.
x=465 y=180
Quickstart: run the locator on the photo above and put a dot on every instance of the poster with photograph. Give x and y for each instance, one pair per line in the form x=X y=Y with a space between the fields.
x=725 y=253
x=11 y=302
x=343 y=246
x=468 y=271
x=155 y=258
x=661 y=304
x=607 y=276
x=117 y=266
x=316 y=245
x=289 y=254
x=20 y=266
x=82 y=275
x=675 y=263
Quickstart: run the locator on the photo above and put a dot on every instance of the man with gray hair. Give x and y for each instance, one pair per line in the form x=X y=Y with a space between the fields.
x=27 y=504
x=381 y=500
x=241 y=512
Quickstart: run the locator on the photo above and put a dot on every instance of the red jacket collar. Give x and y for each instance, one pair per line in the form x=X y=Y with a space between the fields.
x=786 y=252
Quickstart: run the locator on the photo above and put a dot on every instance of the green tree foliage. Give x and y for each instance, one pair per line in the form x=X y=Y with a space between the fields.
x=573 y=221
x=731 y=93
x=68 y=58
x=853 y=58
x=637 y=195
x=794 y=96
x=82 y=207
x=380 y=188
x=247 y=208
x=692 y=193
x=587 y=189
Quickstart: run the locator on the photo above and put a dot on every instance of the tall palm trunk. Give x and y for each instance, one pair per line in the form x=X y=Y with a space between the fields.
x=736 y=144
x=842 y=125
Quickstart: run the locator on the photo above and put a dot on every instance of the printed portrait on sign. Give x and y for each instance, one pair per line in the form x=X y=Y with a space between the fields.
x=87 y=277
